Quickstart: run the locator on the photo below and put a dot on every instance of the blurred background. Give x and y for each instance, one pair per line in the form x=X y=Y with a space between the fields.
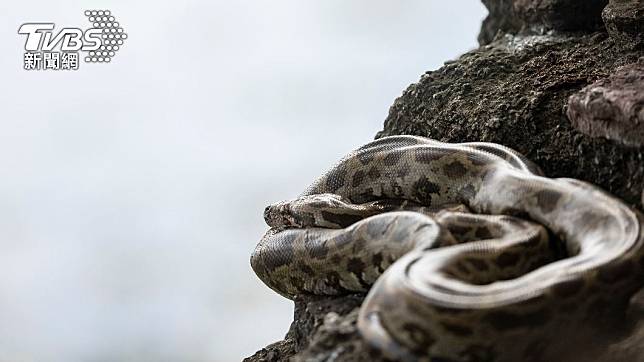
x=131 y=193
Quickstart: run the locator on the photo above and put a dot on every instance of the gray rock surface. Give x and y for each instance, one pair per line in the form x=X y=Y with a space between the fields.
x=624 y=20
x=501 y=19
x=570 y=15
x=612 y=107
x=539 y=16
x=513 y=90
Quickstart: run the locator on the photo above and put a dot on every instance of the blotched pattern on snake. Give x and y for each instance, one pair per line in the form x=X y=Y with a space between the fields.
x=457 y=245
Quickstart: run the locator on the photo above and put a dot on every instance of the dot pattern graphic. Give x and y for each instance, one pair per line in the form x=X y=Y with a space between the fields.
x=112 y=36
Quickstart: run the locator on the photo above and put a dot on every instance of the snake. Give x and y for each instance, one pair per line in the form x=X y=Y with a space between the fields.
x=466 y=251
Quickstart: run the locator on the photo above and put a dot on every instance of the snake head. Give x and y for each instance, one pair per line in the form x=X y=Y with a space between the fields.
x=279 y=215
x=304 y=211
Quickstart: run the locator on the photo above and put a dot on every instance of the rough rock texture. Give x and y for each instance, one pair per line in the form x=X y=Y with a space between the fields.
x=624 y=21
x=323 y=329
x=513 y=90
x=501 y=19
x=612 y=107
x=529 y=17
x=561 y=14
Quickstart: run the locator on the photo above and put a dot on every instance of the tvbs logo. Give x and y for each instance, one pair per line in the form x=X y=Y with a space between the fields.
x=39 y=37
x=47 y=49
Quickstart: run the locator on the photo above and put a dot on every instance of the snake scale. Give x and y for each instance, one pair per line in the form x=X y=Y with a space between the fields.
x=458 y=246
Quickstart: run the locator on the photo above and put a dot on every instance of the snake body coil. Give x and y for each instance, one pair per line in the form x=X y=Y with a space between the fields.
x=449 y=239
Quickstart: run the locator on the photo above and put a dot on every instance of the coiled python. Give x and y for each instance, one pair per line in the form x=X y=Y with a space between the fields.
x=449 y=239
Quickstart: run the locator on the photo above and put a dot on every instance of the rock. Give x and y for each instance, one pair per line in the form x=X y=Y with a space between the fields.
x=323 y=329
x=567 y=15
x=624 y=20
x=500 y=19
x=529 y=17
x=279 y=351
x=612 y=107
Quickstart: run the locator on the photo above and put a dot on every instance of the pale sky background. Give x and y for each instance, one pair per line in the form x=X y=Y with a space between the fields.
x=131 y=193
